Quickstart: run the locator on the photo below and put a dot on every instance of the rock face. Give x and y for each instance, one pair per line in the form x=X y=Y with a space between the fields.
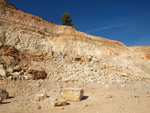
x=143 y=49
x=54 y=40
x=65 y=54
x=72 y=94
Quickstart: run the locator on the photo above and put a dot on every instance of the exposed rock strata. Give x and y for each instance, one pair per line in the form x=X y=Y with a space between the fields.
x=65 y=53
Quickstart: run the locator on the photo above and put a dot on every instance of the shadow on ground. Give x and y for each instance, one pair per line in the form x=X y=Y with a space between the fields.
x=84 y=98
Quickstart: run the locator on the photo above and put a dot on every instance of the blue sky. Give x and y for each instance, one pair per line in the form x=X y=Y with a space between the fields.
x=127 y=21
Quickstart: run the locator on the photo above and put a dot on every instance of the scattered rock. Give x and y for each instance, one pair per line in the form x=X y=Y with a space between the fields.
x=124 y=75
x=136 y=96
x=38 y=74
x=107 y=86
x=29 y=77
x=17 y=68
x=10 y=78
x=4 y=93
x=58 y=102
x=1 y=67
x=21 y=72
x=15 y=77
x=41 y=97
x=72 y=94
x=10 y=70
x=86 y=105
x=109 y=96
x=39 y=107
x=16 y=73
x=3 y=72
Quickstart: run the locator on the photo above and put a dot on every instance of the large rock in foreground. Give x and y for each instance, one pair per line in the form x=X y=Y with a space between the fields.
x=72 y=94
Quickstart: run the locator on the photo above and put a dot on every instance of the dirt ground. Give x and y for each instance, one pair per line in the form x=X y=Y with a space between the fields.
x=98 y=98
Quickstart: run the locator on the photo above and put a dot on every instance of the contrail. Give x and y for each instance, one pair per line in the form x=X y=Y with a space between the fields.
x=104 y=28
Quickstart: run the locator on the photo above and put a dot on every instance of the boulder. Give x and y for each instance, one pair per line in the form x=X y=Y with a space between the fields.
x=4 y=94
x=58 y=102
x=72 y=94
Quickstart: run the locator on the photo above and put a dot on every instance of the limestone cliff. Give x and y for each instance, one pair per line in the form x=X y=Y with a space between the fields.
x=57 y=46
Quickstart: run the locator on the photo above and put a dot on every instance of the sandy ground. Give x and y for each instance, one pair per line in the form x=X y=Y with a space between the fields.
x=98 y=98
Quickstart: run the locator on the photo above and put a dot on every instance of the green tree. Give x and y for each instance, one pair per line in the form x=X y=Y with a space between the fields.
x=66 y=19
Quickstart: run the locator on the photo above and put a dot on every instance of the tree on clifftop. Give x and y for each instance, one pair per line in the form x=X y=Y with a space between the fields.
x=66 y=19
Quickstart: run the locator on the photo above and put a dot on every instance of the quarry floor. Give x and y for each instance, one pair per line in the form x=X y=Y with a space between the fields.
x=98 y=98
